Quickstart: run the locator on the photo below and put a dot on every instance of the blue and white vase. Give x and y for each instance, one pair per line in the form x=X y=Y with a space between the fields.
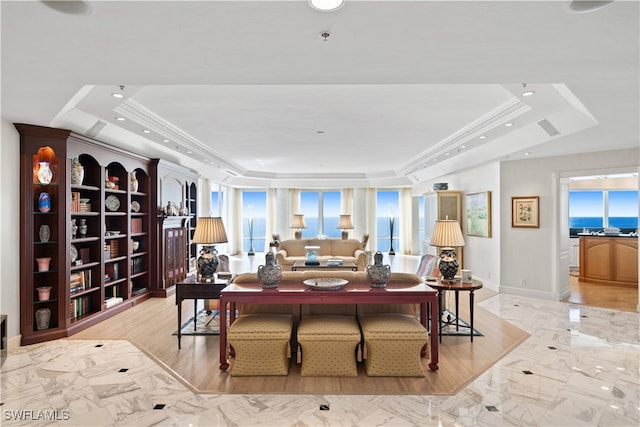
x=44 y=202
x=378 y=274
x=269 y=274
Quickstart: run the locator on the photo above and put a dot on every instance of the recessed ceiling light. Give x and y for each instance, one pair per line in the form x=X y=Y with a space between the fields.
x=189 y=152
x=146 y=131
x=463 y=146
x=319 y=131
x=526 y=153
x=435 y=160
x=326 y=5
x=166 y=140
x=117 y=95
x=483 y=137
x=120 y=119
x=528 y=93
x=508 y=124
x=447 y=154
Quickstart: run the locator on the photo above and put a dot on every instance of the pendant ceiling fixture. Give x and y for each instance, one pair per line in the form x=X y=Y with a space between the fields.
x=326 y=5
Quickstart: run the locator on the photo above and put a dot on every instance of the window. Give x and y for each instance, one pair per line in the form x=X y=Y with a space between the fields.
x=420 y=223
x=216 y=203
x=387 y=208
x=254 y=221
x=321 y=211
x=598 y=209
x=586 y=209
x=623 y=209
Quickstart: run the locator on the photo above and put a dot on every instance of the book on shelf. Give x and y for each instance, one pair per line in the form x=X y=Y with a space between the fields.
x=136 y=225
x=110 y=302
x=78 y=307
x=75 y=201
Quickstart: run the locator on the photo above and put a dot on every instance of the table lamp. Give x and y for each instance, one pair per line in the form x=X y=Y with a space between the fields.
x=447 y=235
x=209 y=230
x=298 y=223
x=345 y=224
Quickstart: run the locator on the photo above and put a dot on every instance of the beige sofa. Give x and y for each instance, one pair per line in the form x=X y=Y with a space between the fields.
x=293 y=250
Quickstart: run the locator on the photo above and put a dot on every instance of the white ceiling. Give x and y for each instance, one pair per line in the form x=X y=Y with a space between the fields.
x=401 y=92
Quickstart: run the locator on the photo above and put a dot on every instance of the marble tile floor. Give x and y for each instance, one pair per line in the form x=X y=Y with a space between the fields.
x=580 y=367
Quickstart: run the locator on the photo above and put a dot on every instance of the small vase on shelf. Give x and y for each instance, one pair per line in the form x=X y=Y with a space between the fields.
x=134 y=182
x=74 y=228
x=44 y=202
x=43 y=315
x=44 y=233
x=43 y=263
x=44 y=293
x=77 y=172
x=44 y=173
x=82 y=228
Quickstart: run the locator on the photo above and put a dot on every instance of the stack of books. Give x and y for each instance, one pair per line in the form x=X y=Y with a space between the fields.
x=334 y=262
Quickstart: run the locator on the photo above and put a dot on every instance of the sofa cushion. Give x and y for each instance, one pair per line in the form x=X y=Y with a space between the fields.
x=294 y=247
x=345 y=247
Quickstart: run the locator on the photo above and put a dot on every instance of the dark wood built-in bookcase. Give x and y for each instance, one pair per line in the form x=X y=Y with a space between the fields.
x=108 y=264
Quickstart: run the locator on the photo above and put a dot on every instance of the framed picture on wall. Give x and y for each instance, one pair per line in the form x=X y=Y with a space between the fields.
x=525 y=212
x=479 y=214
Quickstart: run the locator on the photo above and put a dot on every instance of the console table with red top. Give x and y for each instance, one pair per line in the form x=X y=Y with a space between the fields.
x=352 y=293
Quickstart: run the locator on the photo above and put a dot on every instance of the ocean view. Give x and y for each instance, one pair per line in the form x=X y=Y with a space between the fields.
x=597 y=222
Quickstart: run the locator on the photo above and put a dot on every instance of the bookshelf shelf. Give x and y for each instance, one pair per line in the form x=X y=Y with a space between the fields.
x=79 y=289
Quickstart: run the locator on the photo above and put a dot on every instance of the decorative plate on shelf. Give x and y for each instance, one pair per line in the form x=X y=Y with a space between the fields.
x=74 y=253
x=112 y=203
x=135 y=206
x=325 y=284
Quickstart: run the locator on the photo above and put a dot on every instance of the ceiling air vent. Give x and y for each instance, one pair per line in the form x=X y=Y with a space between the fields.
x=548 y=127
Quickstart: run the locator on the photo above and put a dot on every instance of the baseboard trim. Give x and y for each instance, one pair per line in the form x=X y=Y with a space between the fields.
x=529 y=293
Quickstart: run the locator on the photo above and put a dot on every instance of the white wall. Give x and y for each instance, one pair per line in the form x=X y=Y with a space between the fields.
x=10 y=234
x=481 y=254
x=528 y=255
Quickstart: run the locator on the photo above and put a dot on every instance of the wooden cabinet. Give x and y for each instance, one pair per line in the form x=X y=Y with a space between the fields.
x=96 y=232
x=439 y=205
x=176 y=186
x=609 y=260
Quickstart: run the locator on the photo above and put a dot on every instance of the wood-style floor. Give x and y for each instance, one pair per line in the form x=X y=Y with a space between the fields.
x=605 y=296
x=150 y=326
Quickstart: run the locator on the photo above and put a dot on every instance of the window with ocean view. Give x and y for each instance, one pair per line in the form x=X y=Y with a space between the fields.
x=321 y=211
x=599 y=209
x=254 y=221
x=387 y=208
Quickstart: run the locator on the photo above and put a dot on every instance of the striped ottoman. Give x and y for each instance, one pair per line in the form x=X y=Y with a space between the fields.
x=327 y=345
x=392 y=344
x=262 y=344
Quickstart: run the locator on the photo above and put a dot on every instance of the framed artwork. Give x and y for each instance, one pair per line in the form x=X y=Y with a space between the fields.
x=525 y=212
x=479 y=214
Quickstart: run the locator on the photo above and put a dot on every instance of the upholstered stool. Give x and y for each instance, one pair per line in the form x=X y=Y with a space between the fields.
x=392 y=344
x=261 y=343
x=327 y=345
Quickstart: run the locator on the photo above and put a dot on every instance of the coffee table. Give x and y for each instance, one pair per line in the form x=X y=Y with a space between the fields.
x=346 y=265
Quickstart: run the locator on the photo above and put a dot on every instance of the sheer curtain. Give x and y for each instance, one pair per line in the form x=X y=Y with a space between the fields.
x=405 y=221
x=294 y=208
x=371 y=202
x=271 y=214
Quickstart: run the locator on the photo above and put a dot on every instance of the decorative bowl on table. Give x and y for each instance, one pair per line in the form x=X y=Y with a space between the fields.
x=325 y=284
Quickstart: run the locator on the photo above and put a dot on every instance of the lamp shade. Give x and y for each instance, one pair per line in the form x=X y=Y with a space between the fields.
x=210 y=230
x=345 y=222
x=298 y=221
x=447 y=233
